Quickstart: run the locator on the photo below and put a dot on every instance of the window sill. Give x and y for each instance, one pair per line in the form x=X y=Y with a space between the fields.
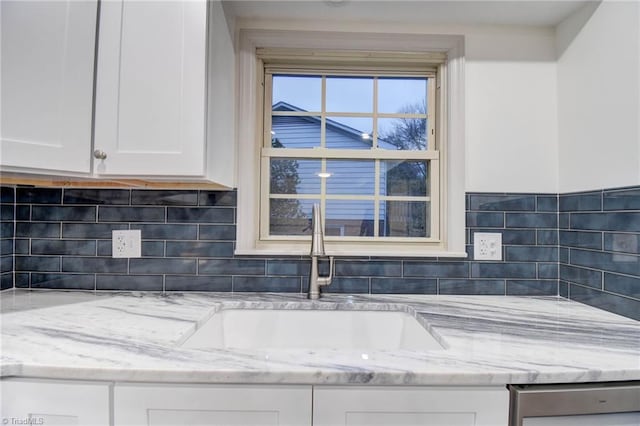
x=350 y=253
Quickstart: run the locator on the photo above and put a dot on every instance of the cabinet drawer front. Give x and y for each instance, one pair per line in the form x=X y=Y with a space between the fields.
x=171 y=404
x=404 y=406
x=44 y=402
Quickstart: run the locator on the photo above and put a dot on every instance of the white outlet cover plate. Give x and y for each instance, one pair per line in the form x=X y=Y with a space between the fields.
x=126 y=243
x=487 y=246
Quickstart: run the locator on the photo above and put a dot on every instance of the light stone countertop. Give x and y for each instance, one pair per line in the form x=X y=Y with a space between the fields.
x=490 y=340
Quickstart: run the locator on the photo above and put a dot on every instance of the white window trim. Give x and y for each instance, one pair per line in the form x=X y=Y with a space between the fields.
x=249 y=134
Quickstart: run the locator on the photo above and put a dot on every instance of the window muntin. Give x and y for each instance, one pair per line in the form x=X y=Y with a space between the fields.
x=369 y=158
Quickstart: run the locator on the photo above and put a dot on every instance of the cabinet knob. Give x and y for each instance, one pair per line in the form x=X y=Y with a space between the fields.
x=100 y=155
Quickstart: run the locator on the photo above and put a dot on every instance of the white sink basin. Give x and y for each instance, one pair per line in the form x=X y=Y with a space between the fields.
x=312 y=329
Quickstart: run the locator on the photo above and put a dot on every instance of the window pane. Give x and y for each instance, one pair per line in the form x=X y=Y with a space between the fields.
x=290 y=216
x=402 y=95
x=352 y=218
x=296 y=93
x=349 y=94
x=399 y=177
x=404 y=219
x=402 y=133
x=353 y=177
x=295 y=176
x=295 y=132
x=349 y=132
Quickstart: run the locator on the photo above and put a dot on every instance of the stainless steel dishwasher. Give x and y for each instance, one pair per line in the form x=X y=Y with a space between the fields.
x=589 y=404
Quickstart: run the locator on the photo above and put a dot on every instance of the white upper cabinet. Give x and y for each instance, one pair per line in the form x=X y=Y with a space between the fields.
x=151 y=87
x=158 y=105
x=47 y=85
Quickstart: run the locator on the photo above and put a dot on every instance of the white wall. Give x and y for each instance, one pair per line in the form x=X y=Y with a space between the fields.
x=511 y=99
x=511 y=111
x=598 y=97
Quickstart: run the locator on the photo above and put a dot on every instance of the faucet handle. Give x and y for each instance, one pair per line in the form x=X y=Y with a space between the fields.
x=327 y=280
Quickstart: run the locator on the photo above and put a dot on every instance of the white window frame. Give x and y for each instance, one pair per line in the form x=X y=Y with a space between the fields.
x=250 y=135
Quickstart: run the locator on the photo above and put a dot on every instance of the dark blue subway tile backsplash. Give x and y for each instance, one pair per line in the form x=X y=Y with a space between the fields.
x=503 y=270
x=605 y=300
x=436 y=269
x=581 y=202
x=162 y=266
x=347 y=285
x=97 y=196
x=583 y=276
x=164 y=198
x=531 y=287
x=39 y=230
x=404 y=286
x=625 y=199
x=120 y=282
x=484 y=202
x=600 y=249
x=268 y=284
x=625 y=285
x=197 y=283
x=369 y=268
x=486 y=287
x=30 y=195
x=63 y=281
x=622 y=243
x=234 y=267
x=578 y=245
x=606 y=221
x=63 y=247
x=581 y=239
x=62 y=214
x=131 y=214
x=531 y=220
x=199 y=215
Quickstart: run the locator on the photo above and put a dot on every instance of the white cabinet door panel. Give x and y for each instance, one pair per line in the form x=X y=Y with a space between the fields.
x=410 y=406
x=151 y=88
x=48 y=50
x=51 y=402
x=212 y=405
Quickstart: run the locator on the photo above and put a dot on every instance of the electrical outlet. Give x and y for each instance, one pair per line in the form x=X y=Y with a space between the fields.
x=487 y=246
x=126 y=243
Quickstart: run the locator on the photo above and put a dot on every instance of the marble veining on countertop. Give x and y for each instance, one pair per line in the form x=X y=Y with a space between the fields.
x=489 y=340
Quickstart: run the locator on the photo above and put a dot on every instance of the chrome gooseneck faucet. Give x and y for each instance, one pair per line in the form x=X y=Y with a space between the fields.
x=317 y=251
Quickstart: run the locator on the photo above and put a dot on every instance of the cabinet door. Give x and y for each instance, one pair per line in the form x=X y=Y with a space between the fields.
x=212 y=405
x=51 y=402
x=151 y=88
x=47 y=85
x=410 y=406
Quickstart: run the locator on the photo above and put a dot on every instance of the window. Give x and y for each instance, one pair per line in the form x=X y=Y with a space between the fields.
x=361 y=145
x=359 y=132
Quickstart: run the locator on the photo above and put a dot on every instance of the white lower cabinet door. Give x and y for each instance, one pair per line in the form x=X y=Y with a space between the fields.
x=410 y=406
x=51 y=402
x=211 y=405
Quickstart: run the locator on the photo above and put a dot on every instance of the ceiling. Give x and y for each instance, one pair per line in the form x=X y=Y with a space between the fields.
x=436 y=12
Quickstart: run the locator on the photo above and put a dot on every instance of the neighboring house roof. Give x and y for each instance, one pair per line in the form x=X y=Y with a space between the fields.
x=334 y=125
